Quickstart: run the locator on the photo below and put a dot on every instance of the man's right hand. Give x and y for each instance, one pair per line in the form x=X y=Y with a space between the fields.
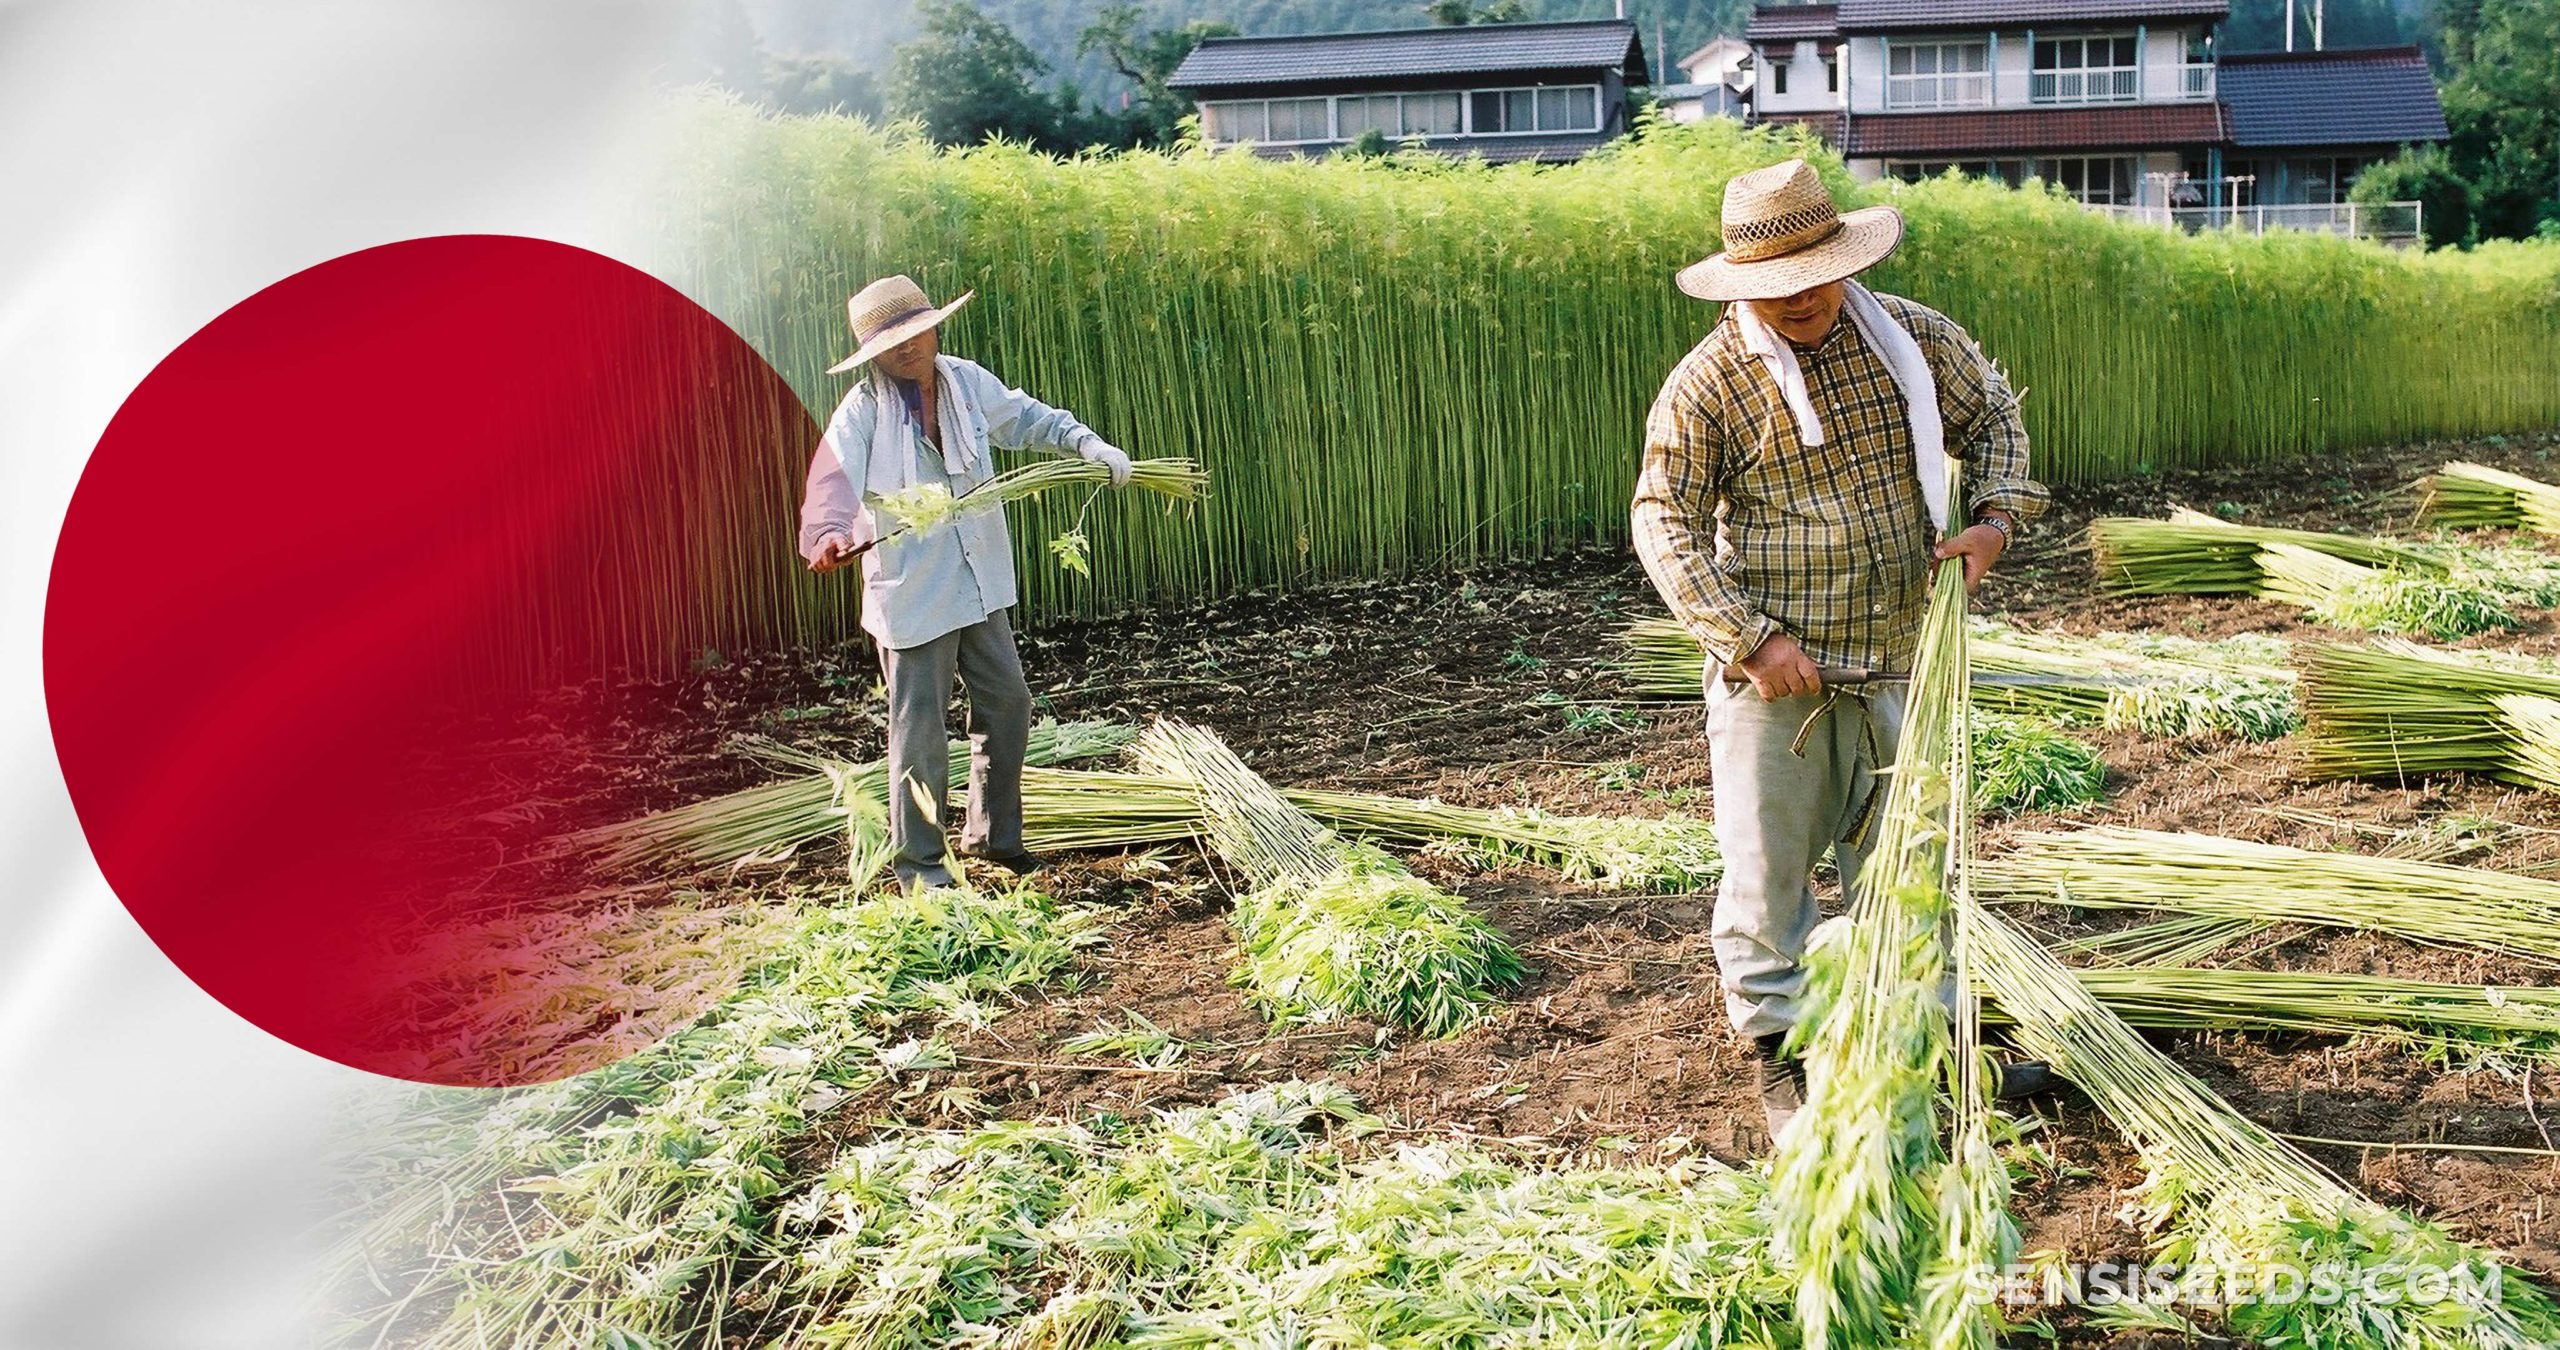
x=832 y=554
x=1779 y=668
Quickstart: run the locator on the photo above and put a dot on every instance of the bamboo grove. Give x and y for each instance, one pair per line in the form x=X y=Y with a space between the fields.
x=1398 y=365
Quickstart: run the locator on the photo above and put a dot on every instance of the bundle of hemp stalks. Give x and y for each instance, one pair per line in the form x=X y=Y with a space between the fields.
x=2206 y=875
x=2474 y=496
x=2396 y=710
x=1880 y=1211
x=2462 y=1024
x=930 y=504
x=2156 y=683
x=2342 y=580
x=1091 y=809
x=1331 y=928
x=2226 y=1194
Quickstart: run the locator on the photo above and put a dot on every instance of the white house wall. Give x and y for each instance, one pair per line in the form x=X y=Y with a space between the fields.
x=1807 y=86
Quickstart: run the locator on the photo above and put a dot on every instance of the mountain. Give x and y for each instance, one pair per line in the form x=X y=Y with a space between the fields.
x=868 y=33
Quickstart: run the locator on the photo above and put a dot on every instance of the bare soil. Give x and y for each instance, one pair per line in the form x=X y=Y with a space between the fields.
x=1495 y=687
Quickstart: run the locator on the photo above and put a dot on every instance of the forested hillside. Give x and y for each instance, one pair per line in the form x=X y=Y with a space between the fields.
x=867 y=33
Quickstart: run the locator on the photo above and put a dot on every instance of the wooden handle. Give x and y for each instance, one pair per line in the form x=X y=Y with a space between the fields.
x=1848 y=675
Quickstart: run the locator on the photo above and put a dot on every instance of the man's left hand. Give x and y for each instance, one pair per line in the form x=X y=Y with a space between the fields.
x=1110 y=457
x=1979 y=546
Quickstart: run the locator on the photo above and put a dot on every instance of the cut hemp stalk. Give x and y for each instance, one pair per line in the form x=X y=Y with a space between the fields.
x=2378 y=585
x=1080 y=809
x=2394 y=710
x=2474 y=496
x=1886 y=1222
x=2111 y=867
x=2229 y=1198
x=1332 y=928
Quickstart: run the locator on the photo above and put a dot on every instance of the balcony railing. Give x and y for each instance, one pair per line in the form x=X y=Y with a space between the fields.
x=2108 y=85
x=2195 y=79
x=2387 y=222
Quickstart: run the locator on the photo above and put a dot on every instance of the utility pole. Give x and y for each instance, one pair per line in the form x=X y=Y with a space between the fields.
x=2319 y=25
x=2288 y=25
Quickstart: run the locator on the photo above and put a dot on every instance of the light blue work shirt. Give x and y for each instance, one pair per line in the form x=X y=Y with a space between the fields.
x=922 y=584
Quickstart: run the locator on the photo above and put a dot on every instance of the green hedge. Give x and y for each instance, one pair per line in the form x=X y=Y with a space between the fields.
x=1407 y=364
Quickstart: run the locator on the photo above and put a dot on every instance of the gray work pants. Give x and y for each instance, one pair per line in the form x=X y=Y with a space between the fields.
x=999 y=723
x=1776 y=811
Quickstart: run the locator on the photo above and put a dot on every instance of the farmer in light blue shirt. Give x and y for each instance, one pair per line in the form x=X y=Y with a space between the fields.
x=935 y=598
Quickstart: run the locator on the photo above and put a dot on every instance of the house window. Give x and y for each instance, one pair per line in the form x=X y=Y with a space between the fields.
x=1502 y=112
x=1778 y=76
x=1301 y=119
x=1831 y=72
x=1231 y=122
x=2325 y=180
x=2097 y=180
x=2008 y=171
x=2085 y=70
x=1938 y=75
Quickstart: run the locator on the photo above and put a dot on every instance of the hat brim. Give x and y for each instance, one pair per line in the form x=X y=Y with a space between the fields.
x=1866 y=237
x=899 y=332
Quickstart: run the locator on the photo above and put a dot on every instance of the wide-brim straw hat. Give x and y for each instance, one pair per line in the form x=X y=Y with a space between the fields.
x=890 y=311
x=1784 y=234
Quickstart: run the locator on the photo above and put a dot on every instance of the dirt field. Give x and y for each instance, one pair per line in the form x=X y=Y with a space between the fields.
x=1495 y=687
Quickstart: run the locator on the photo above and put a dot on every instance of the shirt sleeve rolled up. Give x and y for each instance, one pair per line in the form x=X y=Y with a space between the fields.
x=1674 y=525
x=1983 y=427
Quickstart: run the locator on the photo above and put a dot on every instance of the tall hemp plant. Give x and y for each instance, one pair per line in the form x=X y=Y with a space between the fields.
x=1885 y=1216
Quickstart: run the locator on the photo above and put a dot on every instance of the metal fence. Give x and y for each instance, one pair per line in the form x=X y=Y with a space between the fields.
x=2389 y=222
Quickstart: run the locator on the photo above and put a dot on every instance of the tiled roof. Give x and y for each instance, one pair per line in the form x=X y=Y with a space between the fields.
x=2365 y=96
x=1824 y=124
x=2135 y=126
x=1867 y=16
x=1327 y=57
x=1783 y=22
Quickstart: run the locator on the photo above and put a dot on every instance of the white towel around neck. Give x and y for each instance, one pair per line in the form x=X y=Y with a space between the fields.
x=1901 y=356
x=889 y=429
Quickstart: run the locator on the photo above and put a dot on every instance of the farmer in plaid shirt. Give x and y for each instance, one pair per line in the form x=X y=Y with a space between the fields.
x=1785 y=513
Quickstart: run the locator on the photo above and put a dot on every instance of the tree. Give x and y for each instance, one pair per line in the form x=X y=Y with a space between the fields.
x=1459 y=13
x=821 y=84
x=2502 y=104
x=2427 y=177
x=968 y=77
x=722 y=49
x=1147 y=60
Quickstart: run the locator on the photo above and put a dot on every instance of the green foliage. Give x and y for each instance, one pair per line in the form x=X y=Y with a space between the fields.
x=1369 y=358
x=822 y=84
x=1248 y=1222
x=2024 y=764
x=2426 y=176
x=1460 y=13
x=967 y=77
x=637 y=1182
x=1147 y=58
x=2502 y=104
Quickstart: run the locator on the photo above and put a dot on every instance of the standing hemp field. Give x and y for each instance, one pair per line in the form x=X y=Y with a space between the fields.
x=1405 y=364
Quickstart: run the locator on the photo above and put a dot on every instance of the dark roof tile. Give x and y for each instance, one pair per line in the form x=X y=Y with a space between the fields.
x=1334 y=57
x=2136 y=126
x=1781 y=22
x=2366 y=96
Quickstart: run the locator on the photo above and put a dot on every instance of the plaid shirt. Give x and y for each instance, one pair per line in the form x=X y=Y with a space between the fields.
x=1831 y=543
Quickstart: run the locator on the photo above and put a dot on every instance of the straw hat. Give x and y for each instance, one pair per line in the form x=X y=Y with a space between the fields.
x=888 y=312
x=1783 y=234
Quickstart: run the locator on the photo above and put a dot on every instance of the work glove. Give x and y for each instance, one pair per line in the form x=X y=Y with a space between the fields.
x=1110 y=457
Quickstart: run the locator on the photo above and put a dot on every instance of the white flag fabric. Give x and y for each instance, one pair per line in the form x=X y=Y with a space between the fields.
x=162 y=162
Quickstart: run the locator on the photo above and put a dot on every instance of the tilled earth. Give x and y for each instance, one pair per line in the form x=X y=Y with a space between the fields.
x=1495 y=687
